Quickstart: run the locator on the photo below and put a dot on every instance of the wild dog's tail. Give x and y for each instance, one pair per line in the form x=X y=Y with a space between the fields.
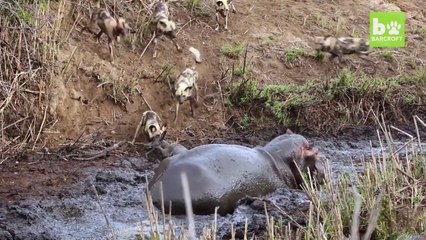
x=196 y=53
x=98 y=3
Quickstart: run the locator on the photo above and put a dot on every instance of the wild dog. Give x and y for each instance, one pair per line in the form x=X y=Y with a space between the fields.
x=152 y=126
x=115 y=28
x=222 y=9
x=186 y=87
x=338 y=47
x=163 y=25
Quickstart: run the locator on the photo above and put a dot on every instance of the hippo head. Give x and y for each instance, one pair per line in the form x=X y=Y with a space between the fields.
x=295 y=155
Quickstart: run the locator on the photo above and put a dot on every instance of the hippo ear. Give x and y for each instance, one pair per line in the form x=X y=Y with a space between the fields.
x=310 y=153
x=288 y=131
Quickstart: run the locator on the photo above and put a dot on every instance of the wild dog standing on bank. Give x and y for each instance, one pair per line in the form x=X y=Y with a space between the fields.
x=163 y=25
x=113 y=27
x=338 y=47
x=222 y=8
x=186 y=87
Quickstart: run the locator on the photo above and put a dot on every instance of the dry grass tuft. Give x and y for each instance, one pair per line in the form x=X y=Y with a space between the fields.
x=30 y=35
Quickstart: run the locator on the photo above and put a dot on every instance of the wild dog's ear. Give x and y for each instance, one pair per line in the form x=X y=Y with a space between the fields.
x=164 y=129
x=288 y=131
x=162 y=25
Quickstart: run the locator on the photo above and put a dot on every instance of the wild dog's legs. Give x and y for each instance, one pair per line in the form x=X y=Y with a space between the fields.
x=226 y=21
x=196 y=92
x=217 y=21
x=192 y=103
x=111 y=53
x=176 y=112
x=177 y=45
x=231 y=4
x=154 y=55
x=98 y=36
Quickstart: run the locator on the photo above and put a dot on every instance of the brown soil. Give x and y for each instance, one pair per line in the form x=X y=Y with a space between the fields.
x=83 y=108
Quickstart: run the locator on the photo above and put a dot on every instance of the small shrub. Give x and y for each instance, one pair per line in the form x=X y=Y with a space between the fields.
x=242 y=72
x=25 y=16
x=233 y=51
x=387 y=55
x=245 y=122
x=423 y=31
x=294 y=54
x=243 y=92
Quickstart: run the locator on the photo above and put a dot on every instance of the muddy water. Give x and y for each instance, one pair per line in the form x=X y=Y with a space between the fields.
x=120 y=210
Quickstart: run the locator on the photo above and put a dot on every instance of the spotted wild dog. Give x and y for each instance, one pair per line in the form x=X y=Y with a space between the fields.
x=338 y=47
x=186 y=87
x=115 y=28
x=222 y=9
x=152 y=126
x=162 y=24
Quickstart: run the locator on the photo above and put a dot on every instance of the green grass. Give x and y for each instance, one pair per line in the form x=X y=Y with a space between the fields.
x=391 y=189
x=233 y=51
x=245 y=121
x=388 y=55
x=242 y=72
x=347 y=99
x=423 y=31
x=295 y=54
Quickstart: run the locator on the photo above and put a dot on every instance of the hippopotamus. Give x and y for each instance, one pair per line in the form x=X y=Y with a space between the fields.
x=219 y=175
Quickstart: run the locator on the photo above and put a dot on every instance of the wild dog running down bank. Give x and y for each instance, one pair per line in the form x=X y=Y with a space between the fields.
x=186 y=87
x=163 y=25
x=152 y=126
x=338 y=47
x=222 y=9
x=115 y=28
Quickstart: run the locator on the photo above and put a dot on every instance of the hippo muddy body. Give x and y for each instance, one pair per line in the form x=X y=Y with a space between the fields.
x=221 y=174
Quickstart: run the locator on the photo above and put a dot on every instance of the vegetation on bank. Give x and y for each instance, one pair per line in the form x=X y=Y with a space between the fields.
x=347 y=99
x=30 y=37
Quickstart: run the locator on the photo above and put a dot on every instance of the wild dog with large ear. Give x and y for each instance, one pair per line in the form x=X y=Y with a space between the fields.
x=115 y=28
x=338 y=47
x=186 y=87
x=163 y=25
x=222 y=8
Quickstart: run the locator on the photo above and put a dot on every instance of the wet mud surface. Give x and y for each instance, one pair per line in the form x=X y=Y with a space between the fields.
x=56 y=199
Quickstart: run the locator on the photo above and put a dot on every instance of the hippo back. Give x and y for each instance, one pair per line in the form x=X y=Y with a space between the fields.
x=218 y=175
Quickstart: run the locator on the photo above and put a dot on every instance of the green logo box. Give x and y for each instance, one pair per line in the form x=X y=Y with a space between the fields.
x=387 y=29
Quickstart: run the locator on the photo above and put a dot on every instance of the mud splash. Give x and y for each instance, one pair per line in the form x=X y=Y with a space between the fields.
x=118 y=210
